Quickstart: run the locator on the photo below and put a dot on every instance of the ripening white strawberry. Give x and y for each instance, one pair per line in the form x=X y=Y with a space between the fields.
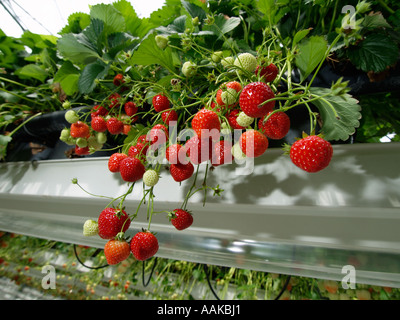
x=244 y=120
x=150 y=178
x=90 y=228
x=246 y=61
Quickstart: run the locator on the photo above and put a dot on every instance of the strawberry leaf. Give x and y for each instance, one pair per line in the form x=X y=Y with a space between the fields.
x=92 y=72
x=340 y=114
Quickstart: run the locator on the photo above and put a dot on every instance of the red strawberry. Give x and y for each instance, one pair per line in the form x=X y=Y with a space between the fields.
x=222 y=153
x=82 y=151
x=253 y=96
x=175 y=154
x=205 y=122
x=98 y=124
x=112 y=221
x=116 y=251
x=158 y=134
x=198 y=150
x=131 y=169
x=127 y=129
x=181 y=172
x=79 y=129
x=138 y=150
x=115 y=126
x=232 y=116
x=115 y=160
x=144 y=245
x=130 y=108
x=276 y=127
x=181 y=219
x=268 y=73
x=142 y=139
x=168 y=116
x=225 y=95
x=118 y=79
x=98 y=111
x=160 y=102
x=114 y=100
x=253 y=143
x=311 y=153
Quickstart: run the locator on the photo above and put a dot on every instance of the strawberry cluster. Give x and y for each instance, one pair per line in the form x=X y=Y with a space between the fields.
x=236 y=123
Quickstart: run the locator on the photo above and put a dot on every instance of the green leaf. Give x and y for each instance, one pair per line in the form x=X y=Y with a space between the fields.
x=92 y=72
x=375 y=20
x=375 y=53
x=194 y=10
x=76 y=23
x=299 y=36
x=340 y=114
x=149 y=53
x=4 y=140
x=311 y=53
x=222 y=25
x=32 y=71
x=68 y=77
x=112 y=18
x=73 y=50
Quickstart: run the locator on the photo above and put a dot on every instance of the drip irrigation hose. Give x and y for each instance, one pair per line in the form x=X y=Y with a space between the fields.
x=79 y=260
x=209 y=283
x=146 y=283
x=283 y=288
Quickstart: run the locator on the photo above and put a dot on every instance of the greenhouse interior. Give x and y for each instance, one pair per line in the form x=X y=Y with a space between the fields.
x=200 y=150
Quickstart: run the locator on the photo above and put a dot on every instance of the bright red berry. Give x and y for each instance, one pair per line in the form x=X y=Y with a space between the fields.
x=276 y=127
x=175 y=154
x=181 y=172
x=252 y=99
x=232 y=119
x=267 y=73
x=181 y=219
x=160 y=102
x=118 y=79
x=131 y=169
x=115 y=126
x=168 y=116
x=79 y=129
x=99 y=110
x=82 y=151
x=253 y=143
x=144 y=245
x=112 y=221
x=116 y=251
x=311 y=153
x=222 y=153
x=205 y=123
x=158 y=134
x=198 y=150
x=114 y=100
x=139 y=150
x=130 y=108
x=115 y=160
x=98 y=124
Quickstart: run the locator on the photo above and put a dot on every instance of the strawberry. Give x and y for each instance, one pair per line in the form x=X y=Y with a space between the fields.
x=181 y=219
x=267 y=73
x=98 y=124
x=244 y=120
x=144 y=245
x=222 y=153
x=232 y=119
x=228 y=94
x=311 y=153
x=246 y=61
x=198 y=150
x=160 y=102
x=276 y=127
x=115 y=160
x=130 y=108
x=82 y=151
x=168 y=116
x=127 y=129
x=115 y=126
x=71 y=116
x=205 y=122
x=142 y=139
x=112 y=221
x=181 y=172
x=253 y=143
x=139 y=150
x=252 y=98
x=175 y=154
x=189 y=69
x=118 y=79
x=98 y=110
x=158 y=134
x=114 y=100
x=131 y=169
x=90 y=228
x=79 y=129
x=150 y=178
x=116 y=251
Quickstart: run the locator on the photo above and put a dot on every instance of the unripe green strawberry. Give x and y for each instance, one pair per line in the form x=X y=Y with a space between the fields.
x=228 y=61
x=94 y=144
x=217 y=56
x=71 y=116
x=66 y=104
x=161 y=41
x=189 y=69
x=246 y=61
x=65 y=134
x=244 y=120
x=90 y=228
x=150 y=178
x=101 y=137
x=81 y=142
